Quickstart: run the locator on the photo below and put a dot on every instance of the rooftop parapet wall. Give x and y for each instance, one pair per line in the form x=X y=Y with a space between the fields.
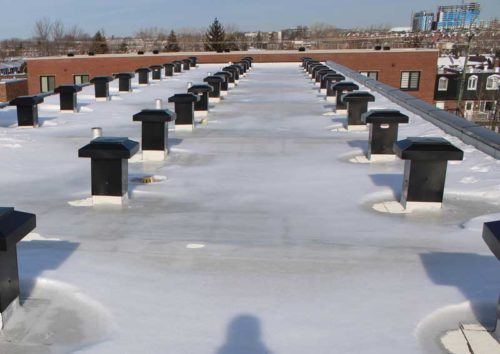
x=388 y=64
x=470 y=133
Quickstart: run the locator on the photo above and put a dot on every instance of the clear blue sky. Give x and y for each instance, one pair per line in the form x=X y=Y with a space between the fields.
x=124 y=17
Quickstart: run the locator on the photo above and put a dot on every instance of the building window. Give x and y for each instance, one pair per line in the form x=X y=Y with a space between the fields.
x=410 y=80
x=493 y=82
x=472 y=83
x=371 y=74
x=440 y=105
x=443 y=84
x=486 y=106
x=80 y=79
x=469 y=106
x=47 y=83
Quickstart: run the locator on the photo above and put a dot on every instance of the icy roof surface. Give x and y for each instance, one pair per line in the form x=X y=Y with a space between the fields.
x=260 y=234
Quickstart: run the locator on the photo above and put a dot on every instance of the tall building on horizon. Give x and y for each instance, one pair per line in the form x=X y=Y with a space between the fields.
x=458 y=16
x=422 y=21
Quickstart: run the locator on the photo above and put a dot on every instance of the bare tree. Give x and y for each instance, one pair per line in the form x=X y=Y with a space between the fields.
x=42 y=32
x=191 y=39
x=322 y=34
x=57 y=35
x=152 y=37
x=76 y=33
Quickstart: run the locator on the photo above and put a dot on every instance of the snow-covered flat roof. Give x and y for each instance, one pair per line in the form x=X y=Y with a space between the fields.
x=261 y=233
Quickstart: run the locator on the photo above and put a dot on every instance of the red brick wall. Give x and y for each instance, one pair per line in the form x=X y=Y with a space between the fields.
x=12 y=89
x=388 y=63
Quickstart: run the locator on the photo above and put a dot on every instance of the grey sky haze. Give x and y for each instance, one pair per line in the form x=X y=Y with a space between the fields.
x=124 y=17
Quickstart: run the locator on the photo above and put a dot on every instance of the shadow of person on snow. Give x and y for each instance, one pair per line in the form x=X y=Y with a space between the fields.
x=244 y=337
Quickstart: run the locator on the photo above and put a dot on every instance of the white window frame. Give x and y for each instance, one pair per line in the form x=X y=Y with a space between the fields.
x=482 y=106
x=372 y=74
x=80 y=79
x=472 y=83
x=443 y=84
x=493 y=82
x=47 y=79
x=440 y=104
x=407 y=77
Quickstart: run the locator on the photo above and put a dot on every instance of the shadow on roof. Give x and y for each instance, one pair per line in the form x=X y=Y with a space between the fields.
x=36 y=257
x=391 y=180
x=244 y=337
x=476 y=277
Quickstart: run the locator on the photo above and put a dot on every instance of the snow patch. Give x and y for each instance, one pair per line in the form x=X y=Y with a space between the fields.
x=359 y=159
x=177 y=149
x=391 y=207
x=83 y=109
x=483 y=168
x=135 y=158
x=86 y=97
x=430 y=330
x=57 y=316
x=476 y=224
x=11 y=146
x=49 y=107
x=87 y=202
x=469 y=180
x=49 y=123
x=33 y=236
x=195 y=246
x=336 y=127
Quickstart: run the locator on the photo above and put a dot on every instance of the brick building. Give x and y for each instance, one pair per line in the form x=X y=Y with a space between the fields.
x=412 y=70
x=12 y=88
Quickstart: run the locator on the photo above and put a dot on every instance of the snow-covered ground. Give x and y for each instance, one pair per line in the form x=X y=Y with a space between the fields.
x=259 y=235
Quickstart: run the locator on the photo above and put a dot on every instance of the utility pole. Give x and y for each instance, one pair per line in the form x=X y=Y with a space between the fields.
x=461 y=84
x=470 y=35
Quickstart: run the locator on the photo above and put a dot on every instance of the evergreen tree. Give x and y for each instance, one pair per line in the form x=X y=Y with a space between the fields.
x=99 y=44
x=172 y=44
x=215 y=38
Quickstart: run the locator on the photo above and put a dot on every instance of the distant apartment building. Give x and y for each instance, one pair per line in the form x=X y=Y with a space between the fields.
x=480 y=92
x=291 y=34
x=11 y=67
x=452 y=17
x=422 y=21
